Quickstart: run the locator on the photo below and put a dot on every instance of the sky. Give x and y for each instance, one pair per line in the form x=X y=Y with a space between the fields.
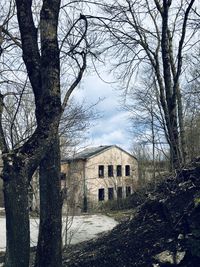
x=112 y=126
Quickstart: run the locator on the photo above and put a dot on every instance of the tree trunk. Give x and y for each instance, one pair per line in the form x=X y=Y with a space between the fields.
x=170 y=106
x=43 y=67
x=17 y=216
x=49 y=248
x=174 y=138
x=181 y=125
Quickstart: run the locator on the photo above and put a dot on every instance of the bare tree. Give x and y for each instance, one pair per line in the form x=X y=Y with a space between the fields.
x=51 y=211
x=151 y=32
x=42 y=61
x=75 y=122
x=192 y=105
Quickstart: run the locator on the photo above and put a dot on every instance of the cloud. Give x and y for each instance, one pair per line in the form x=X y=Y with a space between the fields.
x=115 y=137
x=114 y=121
x=112 y=127
x=92 y=88
x=112 y=131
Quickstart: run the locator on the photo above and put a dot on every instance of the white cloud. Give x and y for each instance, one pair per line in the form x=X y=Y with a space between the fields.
x=115 y=121
x=114 y=137
x=112 y=131
x=113 y=126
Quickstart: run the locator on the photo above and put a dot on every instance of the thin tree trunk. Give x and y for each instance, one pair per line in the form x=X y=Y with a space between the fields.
x=181 y=125
x=49 y=246
x=175 y=139
x=153 y=144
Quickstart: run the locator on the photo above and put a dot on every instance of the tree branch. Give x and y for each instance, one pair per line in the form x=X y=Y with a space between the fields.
x=30 y=47
x=180 y=48
x=3 y=144
x=75 y=83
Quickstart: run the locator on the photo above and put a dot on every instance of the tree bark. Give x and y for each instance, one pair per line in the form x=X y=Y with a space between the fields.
x=17 y=214
x=171 y=96
x=181 y=125
x=49 y=248
x=44 y=74
x=42 y=61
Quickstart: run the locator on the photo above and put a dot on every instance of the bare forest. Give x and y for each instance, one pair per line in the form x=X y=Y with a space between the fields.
x=152 y=50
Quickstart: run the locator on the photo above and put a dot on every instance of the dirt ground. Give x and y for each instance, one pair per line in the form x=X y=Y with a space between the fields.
x=164 y=229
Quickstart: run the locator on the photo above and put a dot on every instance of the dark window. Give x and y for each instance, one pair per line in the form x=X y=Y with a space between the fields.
x=119 y=170
x=110 y=193
x=64 y=193
x=119 y=192
x=101 y=171
x=128 y=191
x=127 y=170
x=101 y=194
x=63 y=176
x=110 y=170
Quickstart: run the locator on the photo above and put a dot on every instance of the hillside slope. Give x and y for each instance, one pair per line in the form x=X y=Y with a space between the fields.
x=164 y=230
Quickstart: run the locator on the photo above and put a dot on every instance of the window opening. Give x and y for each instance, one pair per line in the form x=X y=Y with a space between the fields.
x=127 y=170
x=101 y=171
x=119 y=170
x=110 y=170
x=128 y=191
x=63 y=176
x=110 y=193
x=119 y=192
x=101 y=194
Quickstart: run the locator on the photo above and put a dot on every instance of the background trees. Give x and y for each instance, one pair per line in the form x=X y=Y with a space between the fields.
x=139 y=37
x=152 y=33
x=148 y=128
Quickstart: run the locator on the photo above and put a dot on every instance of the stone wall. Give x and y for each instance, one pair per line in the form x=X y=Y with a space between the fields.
x=83 y=181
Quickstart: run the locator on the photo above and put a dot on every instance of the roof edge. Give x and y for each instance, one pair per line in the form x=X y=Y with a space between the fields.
x=98 y=153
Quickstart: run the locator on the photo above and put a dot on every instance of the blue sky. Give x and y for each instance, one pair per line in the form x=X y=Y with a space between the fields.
x=112 y=127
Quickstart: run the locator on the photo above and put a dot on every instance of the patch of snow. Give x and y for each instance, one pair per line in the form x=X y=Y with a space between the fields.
x=83 y=228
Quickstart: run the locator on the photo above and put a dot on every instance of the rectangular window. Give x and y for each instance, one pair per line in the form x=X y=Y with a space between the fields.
x=62 y=176
x=127 y=170
x=119 y=192
x=101 y=194
x=119 y=170
x=101 y=171
x=64 y=193
x=110 y=193
x=128 y=191
x=110 y=170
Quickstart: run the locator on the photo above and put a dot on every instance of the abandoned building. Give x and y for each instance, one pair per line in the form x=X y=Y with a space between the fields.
x=99 y=174
x=92 y=177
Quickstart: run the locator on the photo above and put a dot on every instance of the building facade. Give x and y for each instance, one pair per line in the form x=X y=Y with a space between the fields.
x=99 y=174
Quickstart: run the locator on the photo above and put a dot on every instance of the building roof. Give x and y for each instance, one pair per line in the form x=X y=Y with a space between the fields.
x=92 y=151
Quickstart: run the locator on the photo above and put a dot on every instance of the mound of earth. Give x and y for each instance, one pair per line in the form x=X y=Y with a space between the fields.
x=163 y=231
